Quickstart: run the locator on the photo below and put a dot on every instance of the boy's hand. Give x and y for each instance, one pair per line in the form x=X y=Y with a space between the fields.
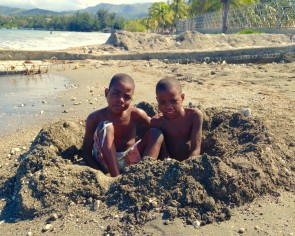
x=194 y=157
x=148 y=158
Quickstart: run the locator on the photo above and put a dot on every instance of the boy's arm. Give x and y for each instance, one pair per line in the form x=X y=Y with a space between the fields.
x=144 y=119
x=87 y=147
x=196 y=134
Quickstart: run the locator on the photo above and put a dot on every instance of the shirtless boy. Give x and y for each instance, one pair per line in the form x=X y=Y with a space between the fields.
x=109 y=142
x=182 y=128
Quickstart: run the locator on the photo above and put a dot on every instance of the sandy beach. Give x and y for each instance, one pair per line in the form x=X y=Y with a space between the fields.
x=47 y=190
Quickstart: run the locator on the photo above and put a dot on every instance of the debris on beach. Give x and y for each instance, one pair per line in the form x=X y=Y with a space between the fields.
x=25 y=68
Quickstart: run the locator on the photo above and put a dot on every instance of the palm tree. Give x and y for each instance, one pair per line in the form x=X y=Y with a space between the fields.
x=226 y=8
x=180 y=9
x=161 y=16
x=197 y=7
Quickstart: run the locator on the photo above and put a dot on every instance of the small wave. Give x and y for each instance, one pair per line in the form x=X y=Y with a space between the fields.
x=43 y=40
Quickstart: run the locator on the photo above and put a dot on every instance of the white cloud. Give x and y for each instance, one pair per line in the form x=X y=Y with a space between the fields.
x=61 y=5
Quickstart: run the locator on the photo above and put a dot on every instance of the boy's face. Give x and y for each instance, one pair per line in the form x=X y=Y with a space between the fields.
x=170 y=102
x=119 y=96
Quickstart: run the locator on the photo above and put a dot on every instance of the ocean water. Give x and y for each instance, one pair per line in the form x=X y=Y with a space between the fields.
x=45 y=40
x=29 y=94
x=26 y=100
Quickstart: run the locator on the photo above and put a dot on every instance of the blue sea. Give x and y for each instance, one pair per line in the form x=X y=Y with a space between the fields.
x=48 y=40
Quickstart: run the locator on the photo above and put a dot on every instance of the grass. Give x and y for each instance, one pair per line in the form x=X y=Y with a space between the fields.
x=249 y=31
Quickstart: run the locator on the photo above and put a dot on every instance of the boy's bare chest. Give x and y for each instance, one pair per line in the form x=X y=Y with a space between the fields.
x=180 y=129
x=123 y=127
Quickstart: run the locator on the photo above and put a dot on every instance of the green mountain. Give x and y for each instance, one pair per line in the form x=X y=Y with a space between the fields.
x=9 y=11
x=37 y=11
x=127 y=11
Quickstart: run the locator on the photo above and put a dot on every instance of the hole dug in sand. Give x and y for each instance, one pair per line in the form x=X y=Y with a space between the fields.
x=239 y=162
x=235 y=167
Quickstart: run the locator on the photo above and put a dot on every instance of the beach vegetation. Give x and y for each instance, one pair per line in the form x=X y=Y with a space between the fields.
x=180 y=9
x=248 y=31
x=136 y=25
x=80 y=21
x=163 y=16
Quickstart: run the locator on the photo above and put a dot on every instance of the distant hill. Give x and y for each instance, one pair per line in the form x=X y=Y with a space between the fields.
x=127 y=11
x=8 y=11
x=37 y=11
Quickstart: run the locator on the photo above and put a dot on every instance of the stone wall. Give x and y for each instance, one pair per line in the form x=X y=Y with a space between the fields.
x=253 y=55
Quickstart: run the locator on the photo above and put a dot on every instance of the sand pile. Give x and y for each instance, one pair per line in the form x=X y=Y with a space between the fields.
x=50 y=176
x=191 y=40
x=239 y=162
x=195 y=41
x=140 y=41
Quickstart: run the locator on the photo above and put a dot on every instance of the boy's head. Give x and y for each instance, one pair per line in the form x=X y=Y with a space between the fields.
x=169 y=97
x=120 y=92
x=122 y=78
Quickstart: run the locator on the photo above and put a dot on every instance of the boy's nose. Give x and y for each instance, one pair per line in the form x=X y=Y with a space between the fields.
x=121 y=99
x=168 y=106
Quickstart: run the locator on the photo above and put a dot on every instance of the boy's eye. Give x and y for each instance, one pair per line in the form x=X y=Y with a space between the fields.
x=127 y=97
x=115 y=93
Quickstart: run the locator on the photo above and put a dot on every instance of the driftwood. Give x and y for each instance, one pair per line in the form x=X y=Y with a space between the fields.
x=25 y=68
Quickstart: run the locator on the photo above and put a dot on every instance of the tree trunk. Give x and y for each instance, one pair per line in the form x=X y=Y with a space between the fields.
x=176 y=12
x=175 y=18
x=226 y=7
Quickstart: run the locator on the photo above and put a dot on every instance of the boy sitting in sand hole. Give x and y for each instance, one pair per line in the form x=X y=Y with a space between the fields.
x=181 y=127
x=110 y=136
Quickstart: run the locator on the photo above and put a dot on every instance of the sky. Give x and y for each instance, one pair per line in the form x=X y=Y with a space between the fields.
x=64 y=5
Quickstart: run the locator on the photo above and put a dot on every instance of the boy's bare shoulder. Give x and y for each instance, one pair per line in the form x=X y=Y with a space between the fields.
x=137 y=111
x=96 y=115
x=195 y=113
x=157 y=120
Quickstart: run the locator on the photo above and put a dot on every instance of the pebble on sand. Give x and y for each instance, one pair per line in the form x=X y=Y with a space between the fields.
x=96 y=205
x=14 y=151
x=47 y=227
x=246 y=112
x=53 y=217
x=196 y=224
x=241 y=230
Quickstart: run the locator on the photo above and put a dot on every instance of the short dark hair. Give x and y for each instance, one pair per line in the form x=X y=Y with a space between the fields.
x=168 y=83
x=121 y=77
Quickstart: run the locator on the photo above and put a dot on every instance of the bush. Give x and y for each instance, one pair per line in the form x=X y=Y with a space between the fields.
x=135 y=26
x=248 y=31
